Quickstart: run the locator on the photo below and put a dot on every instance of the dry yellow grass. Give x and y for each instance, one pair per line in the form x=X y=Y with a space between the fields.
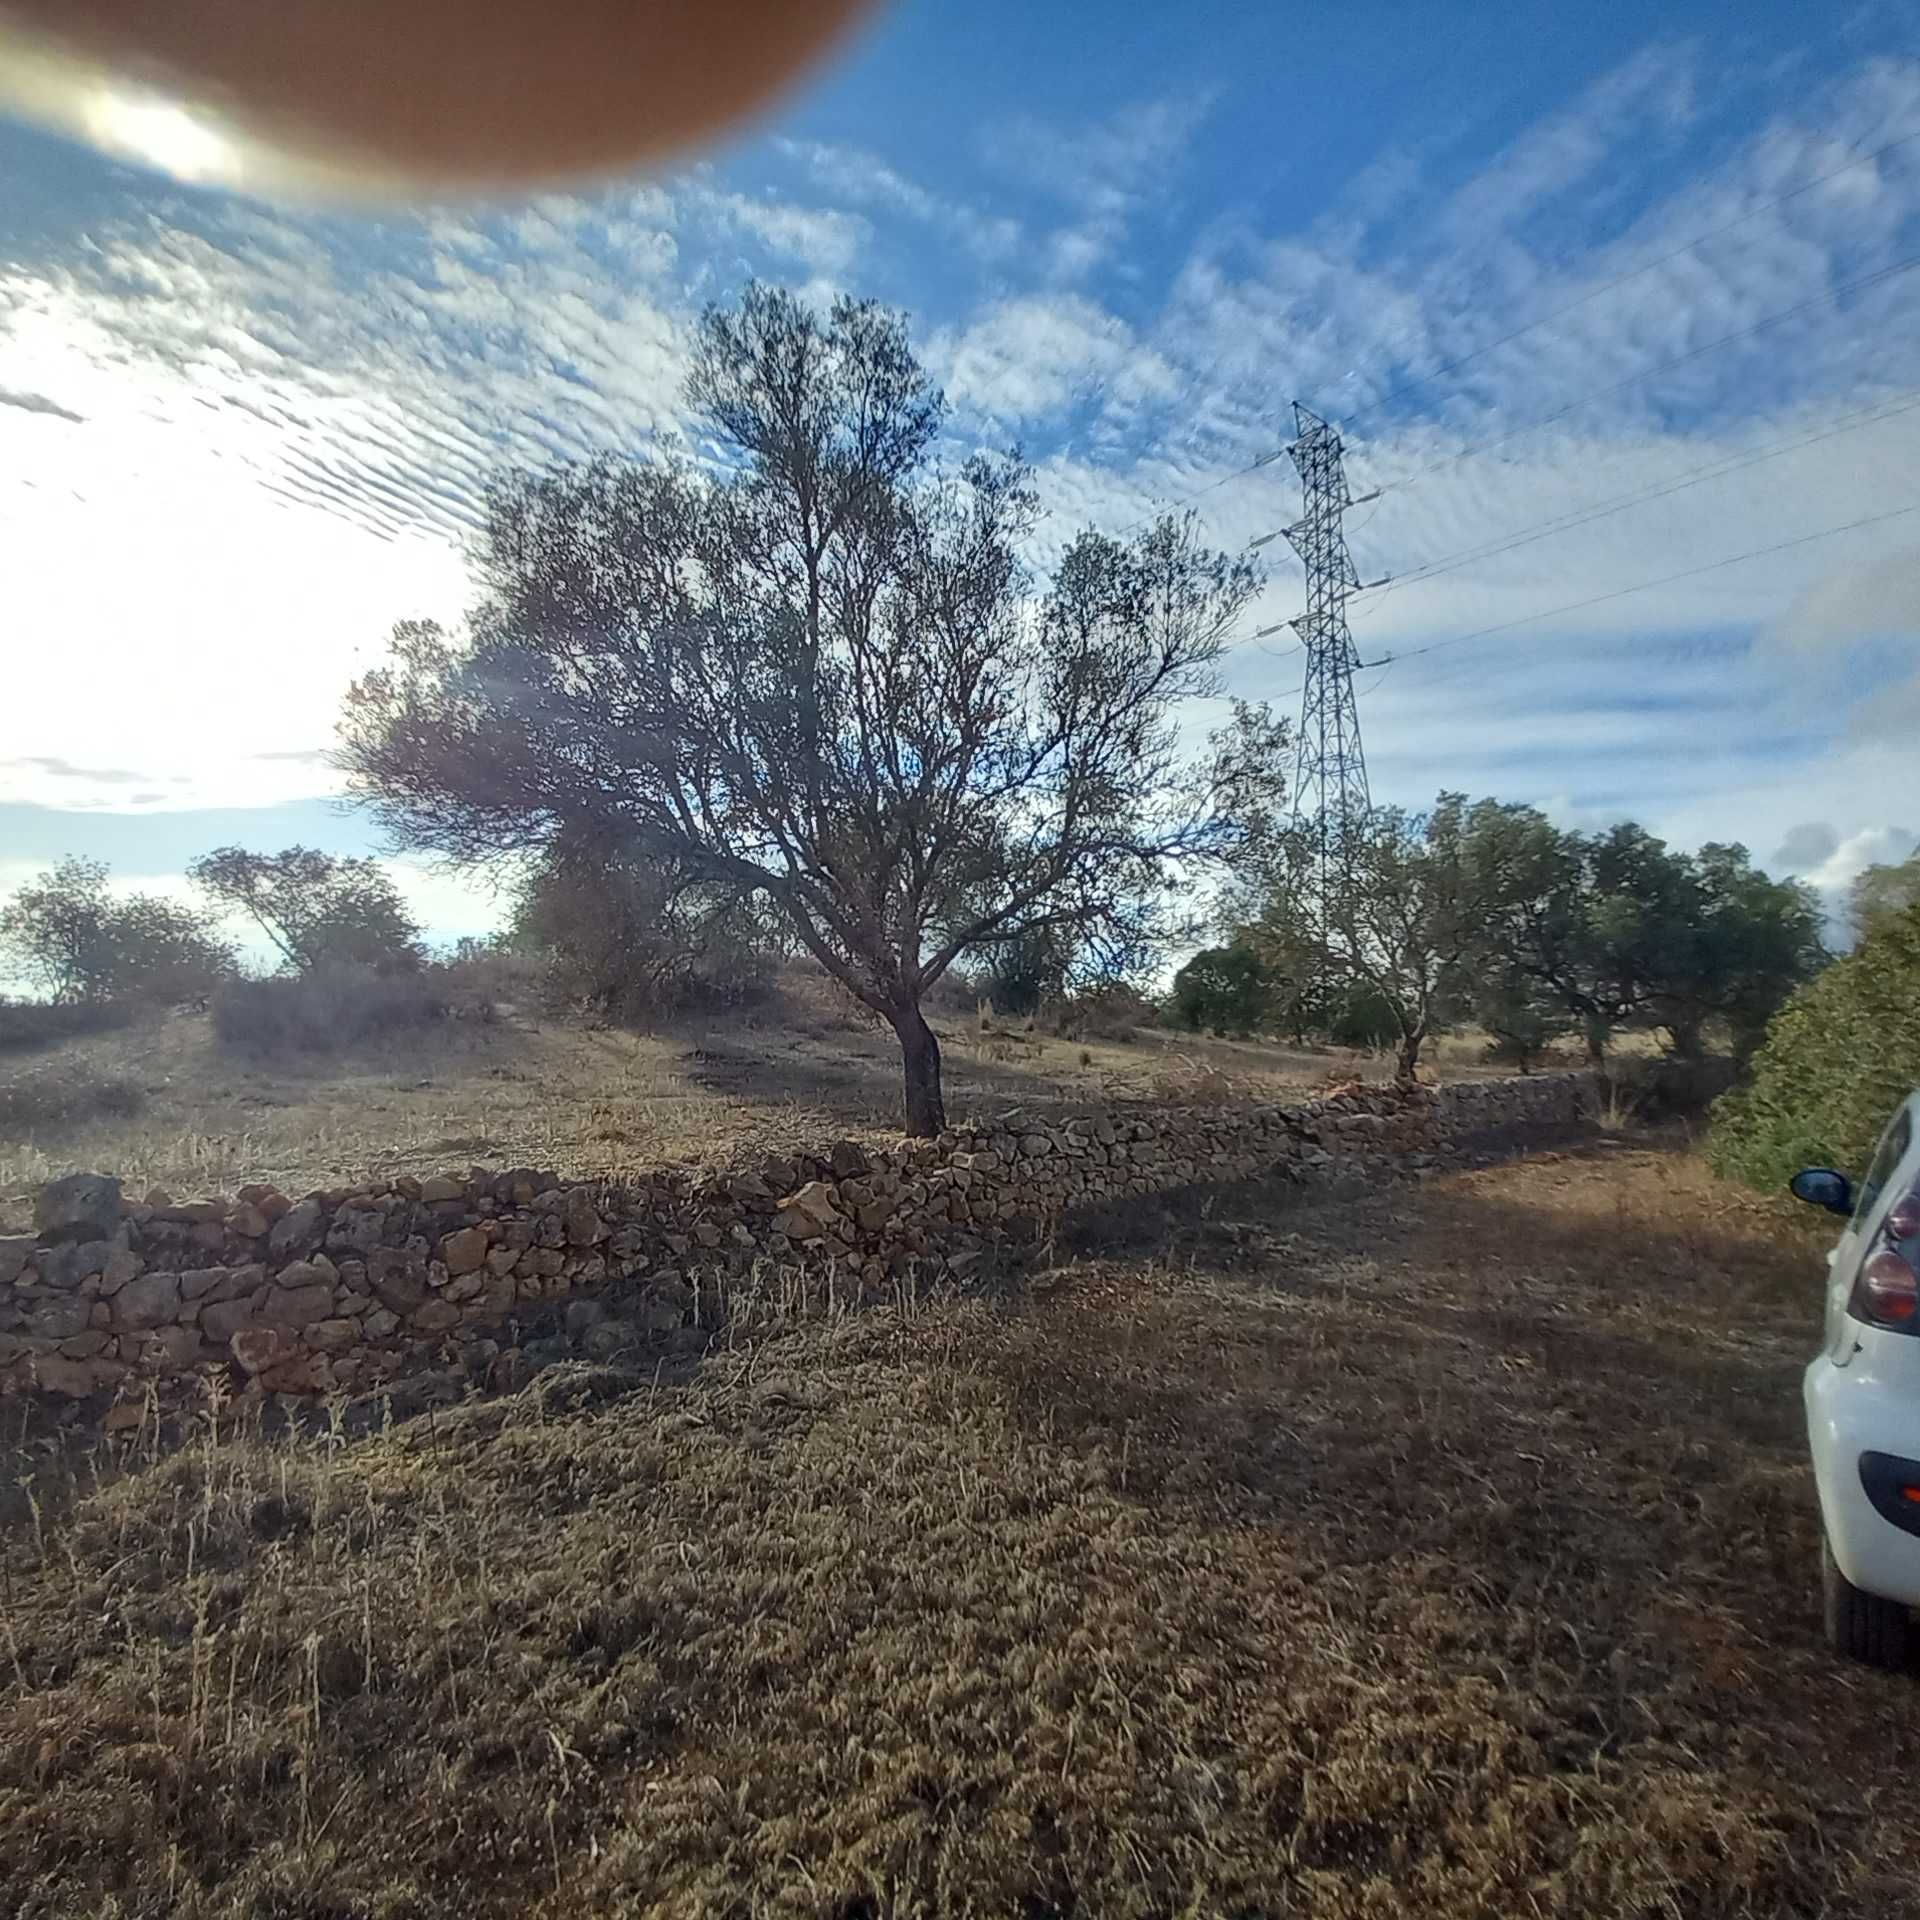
x=1448 y=1552
x=538 y=1091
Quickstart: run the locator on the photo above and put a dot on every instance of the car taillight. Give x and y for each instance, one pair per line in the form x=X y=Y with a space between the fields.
x=1887 y=1292
x=1903 y=1218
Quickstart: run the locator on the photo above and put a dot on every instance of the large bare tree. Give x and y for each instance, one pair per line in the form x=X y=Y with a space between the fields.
x=818 y=671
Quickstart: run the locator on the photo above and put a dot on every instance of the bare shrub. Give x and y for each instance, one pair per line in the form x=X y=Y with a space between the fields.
x=813 y=1000
x=337 y=1005
x=630 y=939
x=483 y=980
x=1187 y=1082
x=956 y=995
x=1111 y=1011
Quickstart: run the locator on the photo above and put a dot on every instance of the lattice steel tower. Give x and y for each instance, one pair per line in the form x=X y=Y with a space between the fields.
x=1330 y=769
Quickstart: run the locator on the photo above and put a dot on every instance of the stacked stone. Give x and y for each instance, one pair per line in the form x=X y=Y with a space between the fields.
x=347 y=1287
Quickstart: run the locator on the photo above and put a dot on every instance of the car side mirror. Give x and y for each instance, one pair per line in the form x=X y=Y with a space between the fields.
x=1822 y=1187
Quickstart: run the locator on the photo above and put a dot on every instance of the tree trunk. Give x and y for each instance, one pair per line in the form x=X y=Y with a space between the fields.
x=1685 y=1035
x=1598 y=1034
x=920 y=1059
x=1407 y=1070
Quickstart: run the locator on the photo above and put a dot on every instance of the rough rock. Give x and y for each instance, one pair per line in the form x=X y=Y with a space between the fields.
x=83 y=1206
x=257 y=1349
x=462 y=1252
x=810 y=1212
x=512 y=1240
x=665 y=1305
x=582 y=1219
x=292 y=1308
x=149 y=1301
x=495 y=1297
x=222 y=1319
x=297 y=1231
x=849 y=1160
x=122 y=1265
x=400 y=1289
x=167 y=1349
x=71 y=1379
x=58 y=1318
x=608 y=1339
x=73 y=1261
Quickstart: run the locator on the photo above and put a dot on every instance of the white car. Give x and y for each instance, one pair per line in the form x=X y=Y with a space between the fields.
x=1863 y=1397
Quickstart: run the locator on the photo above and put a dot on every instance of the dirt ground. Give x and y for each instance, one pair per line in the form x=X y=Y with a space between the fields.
x=1448 y=1550
x=549 y=1092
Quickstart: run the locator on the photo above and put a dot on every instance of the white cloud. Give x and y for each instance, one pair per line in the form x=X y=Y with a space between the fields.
x=1650 y=95
x=1026 y=358
x=863 y=179
x=825 y=240
x=1849 y=604
x=1833 y=878
x=1107 y=171
x=239 y=444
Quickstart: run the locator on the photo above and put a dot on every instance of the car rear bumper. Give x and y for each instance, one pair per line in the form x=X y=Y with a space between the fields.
x=1851 y=1417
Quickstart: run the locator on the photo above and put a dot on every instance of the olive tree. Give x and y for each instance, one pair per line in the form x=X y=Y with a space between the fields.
x=817 y=671
x=314 y=907
x=77 y=941
x=1391 y=916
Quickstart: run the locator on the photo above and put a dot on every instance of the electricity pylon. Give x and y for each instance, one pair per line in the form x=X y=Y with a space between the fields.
x=1330 y=767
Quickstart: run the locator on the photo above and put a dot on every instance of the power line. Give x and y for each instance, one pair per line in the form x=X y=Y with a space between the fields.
x=1624 y=279
x=1661 y=366
x=1212 y=486
x=1170 y=501
x=1644 y=586
x=1566 y=523
x=1620 y=593
x=1693 y=477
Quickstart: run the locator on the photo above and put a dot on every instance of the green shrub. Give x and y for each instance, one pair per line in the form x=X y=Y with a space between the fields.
x=1835 y=1060
x=1364 y=1018
x=339 y=1004
x=1224 y=987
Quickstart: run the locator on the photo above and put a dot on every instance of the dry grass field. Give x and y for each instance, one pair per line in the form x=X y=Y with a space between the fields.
x=1445 y=1551
x=165 y=1101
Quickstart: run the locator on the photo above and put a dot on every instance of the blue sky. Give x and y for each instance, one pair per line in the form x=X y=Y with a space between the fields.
x=238 y=439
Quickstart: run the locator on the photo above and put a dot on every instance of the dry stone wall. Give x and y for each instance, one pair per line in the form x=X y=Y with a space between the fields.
x=491 y=1271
